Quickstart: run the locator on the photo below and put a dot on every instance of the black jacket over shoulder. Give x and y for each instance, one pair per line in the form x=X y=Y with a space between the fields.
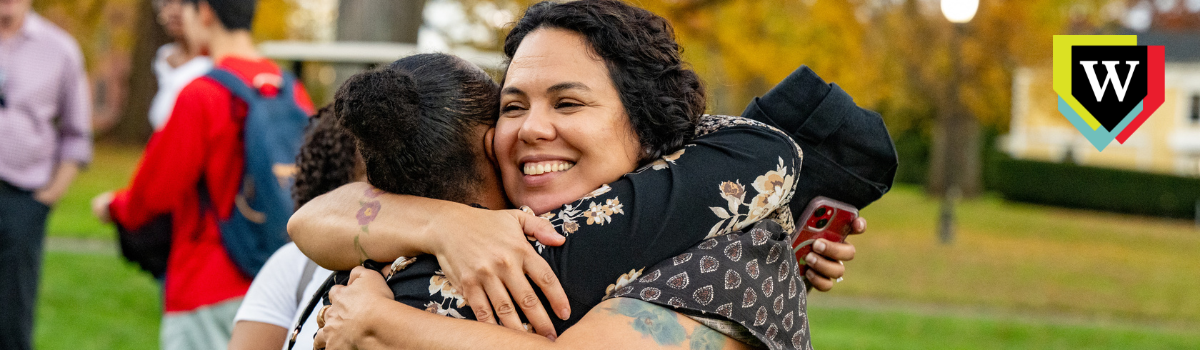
x=849 y=155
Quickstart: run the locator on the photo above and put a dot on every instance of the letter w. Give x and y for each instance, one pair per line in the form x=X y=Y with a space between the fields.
x=1111 y=66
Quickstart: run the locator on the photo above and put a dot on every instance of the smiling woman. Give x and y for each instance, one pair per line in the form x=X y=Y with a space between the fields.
x=582 y=109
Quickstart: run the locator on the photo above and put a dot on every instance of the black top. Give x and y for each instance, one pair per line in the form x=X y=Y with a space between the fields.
x=736 y=172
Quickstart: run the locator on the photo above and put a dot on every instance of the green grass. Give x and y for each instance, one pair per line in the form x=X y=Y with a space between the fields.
x=111 y=169
x=96 y=302
x=1012 y=256
x=1019 y=276
x=852 y=328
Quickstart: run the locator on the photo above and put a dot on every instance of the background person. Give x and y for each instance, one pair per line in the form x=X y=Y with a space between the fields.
x=200 y=147
x=287 y=281
x=175 y=64
x=45 y=138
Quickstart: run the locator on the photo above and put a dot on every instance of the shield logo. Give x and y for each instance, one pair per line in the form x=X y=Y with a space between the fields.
x=1107 y=85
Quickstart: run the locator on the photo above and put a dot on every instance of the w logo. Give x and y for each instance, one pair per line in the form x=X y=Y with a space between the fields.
x=1099 y=88
x=1107 y=86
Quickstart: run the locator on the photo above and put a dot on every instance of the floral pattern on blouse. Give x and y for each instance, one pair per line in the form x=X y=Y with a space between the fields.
x=439 y=285
x=567 y=219
x=624 y=280
x=667 y=160
x=772 y=190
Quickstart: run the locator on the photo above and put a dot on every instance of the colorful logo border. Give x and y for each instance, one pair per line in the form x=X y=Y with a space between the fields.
x=1078 y=115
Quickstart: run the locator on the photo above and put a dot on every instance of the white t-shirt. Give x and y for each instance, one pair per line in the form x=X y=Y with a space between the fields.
x=171 y=81
x=272 y=296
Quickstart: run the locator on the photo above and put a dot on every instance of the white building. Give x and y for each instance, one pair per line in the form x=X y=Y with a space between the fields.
x=1168 y=143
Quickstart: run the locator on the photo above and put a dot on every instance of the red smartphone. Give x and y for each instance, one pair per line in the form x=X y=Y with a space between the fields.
x=824 y=218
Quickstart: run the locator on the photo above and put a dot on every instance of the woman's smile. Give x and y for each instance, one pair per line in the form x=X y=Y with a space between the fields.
x=543 y=172
x=534 y=168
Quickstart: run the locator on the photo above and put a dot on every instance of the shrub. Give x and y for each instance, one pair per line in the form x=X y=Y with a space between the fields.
x=1076 y=186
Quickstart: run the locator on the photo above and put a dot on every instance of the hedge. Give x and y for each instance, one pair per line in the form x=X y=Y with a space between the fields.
x=1075 y=186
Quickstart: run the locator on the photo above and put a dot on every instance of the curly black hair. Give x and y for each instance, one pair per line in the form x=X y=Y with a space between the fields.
x=663 y=98
x=415 y=122
x=327 y=159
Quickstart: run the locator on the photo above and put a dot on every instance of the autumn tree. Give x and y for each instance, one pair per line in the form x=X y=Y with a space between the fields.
x=891 y=55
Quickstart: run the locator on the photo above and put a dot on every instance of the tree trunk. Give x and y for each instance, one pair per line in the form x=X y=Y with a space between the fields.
x=380 y=20
x=376 y=20
x=133 y=127
x=955 y=161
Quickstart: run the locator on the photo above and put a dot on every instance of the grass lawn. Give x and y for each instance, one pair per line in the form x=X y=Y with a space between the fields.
x=1018 y=276
x=1030 y=259
x=96 y=302
x=859 y=328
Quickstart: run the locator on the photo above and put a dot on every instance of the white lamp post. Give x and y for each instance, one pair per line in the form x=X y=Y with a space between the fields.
x=953 y=120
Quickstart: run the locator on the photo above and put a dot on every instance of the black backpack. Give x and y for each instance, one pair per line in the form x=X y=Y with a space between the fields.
x=148 y=246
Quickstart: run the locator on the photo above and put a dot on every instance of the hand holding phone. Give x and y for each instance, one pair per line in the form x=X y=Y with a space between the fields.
x=823 y=218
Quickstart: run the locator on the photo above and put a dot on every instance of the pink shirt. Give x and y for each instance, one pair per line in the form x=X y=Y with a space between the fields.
x=47 y=114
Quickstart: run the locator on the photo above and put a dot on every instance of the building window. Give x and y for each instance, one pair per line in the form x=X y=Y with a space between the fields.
x=1195 y=115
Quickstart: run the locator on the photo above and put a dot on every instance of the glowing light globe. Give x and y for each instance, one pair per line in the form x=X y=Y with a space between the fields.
x=959 y=11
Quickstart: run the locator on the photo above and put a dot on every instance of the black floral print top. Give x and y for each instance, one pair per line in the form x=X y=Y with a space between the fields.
x=735 y=173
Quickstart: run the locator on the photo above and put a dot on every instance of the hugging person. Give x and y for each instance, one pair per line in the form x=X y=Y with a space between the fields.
x=580 y=111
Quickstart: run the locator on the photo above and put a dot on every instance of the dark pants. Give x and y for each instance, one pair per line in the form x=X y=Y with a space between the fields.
x=22 y=231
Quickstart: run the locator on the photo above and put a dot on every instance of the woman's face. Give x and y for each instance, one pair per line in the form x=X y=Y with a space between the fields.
x=563 y=131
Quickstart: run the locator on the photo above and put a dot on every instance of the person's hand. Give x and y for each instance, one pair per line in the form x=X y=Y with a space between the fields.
x=100 y=206
x=825 y=261
x=347 y=317
x=48 y=195
x=486 y=256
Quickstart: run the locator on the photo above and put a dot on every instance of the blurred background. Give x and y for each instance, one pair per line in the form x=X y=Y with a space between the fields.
x=1006 y=228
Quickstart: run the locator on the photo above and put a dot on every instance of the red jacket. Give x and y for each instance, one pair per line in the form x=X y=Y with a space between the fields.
x=202 y=141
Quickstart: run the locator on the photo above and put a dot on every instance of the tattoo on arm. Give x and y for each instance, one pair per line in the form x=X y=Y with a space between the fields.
x=662 y=325
x=367 y=212
x=704 y=338
x=362 y=253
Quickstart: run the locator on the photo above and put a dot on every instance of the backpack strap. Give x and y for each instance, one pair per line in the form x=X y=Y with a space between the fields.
x=234 y=84
x=246 y=92
x=288 y=87
x=310 y=268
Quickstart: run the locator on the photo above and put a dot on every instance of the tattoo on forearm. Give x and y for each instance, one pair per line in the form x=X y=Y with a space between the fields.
x=662 y=325
x=651 y=321
x=367 y=212
x=704 y=338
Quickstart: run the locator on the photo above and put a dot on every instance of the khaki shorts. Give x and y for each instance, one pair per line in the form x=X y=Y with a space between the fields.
x=206 y=328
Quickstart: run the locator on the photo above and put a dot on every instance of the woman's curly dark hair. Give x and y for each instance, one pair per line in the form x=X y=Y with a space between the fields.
x=664 y=99
x=327 y=159
x=415 y=122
